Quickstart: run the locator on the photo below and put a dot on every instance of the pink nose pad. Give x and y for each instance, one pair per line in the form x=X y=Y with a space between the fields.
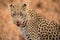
x=19 y=23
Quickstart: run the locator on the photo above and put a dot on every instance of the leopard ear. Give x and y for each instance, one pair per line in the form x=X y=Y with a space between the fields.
x=10 y=5
x=24 y=5
x=12 y=9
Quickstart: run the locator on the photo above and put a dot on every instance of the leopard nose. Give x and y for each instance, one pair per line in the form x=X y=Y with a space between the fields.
x=19 y=23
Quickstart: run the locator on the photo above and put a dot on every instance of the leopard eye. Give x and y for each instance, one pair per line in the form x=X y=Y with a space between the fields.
x=14 y=14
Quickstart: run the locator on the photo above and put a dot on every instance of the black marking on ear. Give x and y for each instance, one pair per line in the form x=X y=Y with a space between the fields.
x=11 y=5
x=25 y=5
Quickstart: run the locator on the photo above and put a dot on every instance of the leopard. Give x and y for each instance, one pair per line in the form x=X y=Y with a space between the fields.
x=34 y=26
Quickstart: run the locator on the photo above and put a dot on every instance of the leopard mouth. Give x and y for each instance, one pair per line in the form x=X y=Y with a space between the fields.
x=21 y=24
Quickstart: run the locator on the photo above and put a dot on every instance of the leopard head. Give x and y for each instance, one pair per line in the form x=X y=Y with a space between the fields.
x=19 y=14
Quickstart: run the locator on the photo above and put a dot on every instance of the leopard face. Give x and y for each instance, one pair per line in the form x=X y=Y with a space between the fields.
x=19 y=14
